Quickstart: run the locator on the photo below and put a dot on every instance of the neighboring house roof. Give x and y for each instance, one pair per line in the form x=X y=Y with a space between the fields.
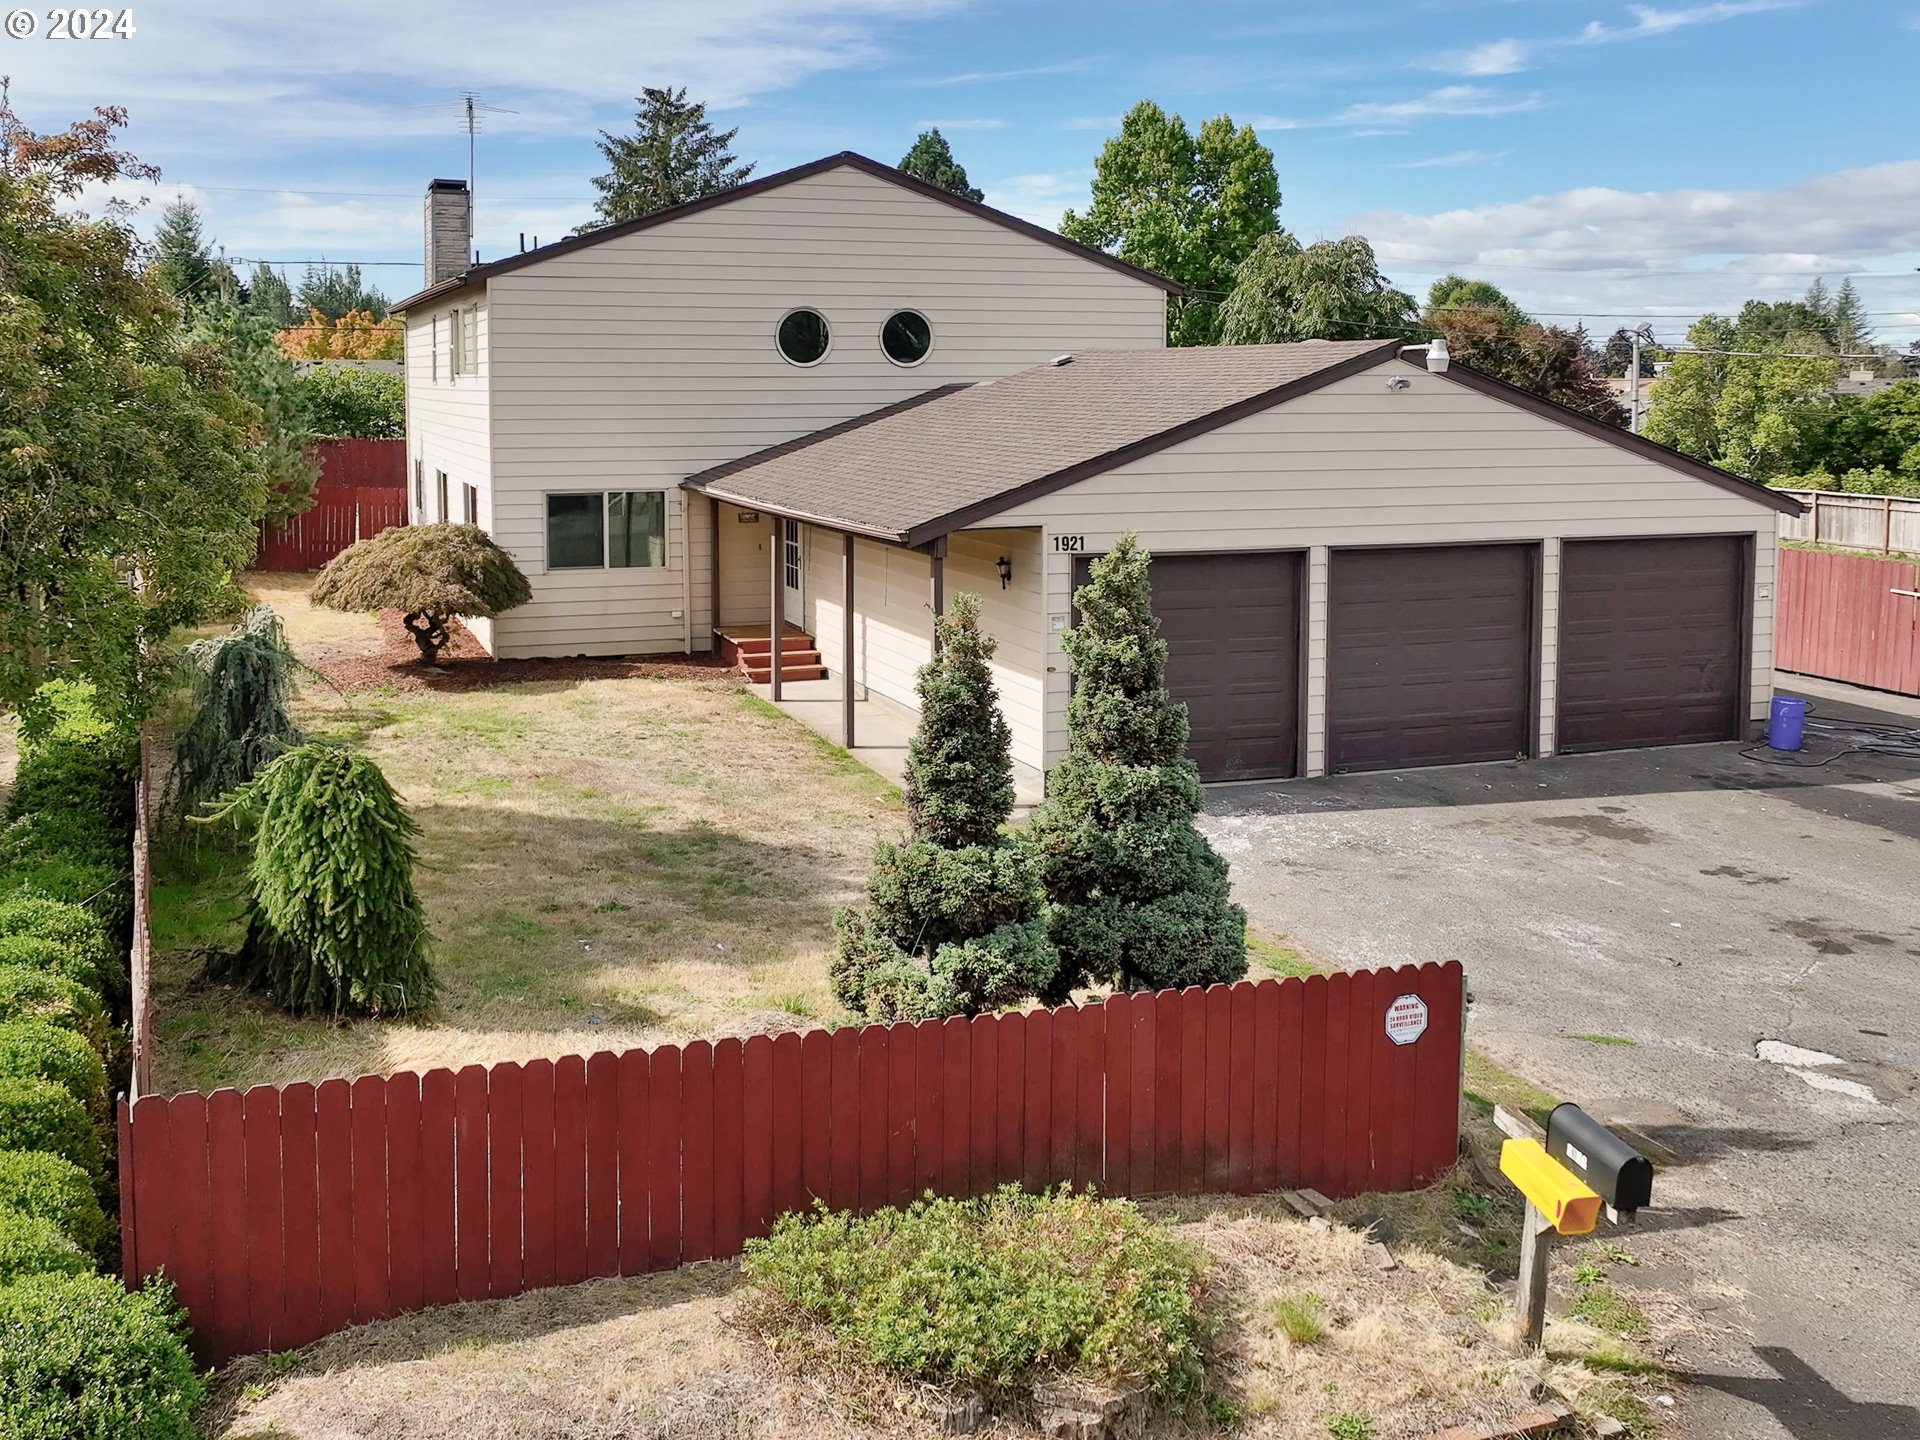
x=574 y=243
x=955 y=456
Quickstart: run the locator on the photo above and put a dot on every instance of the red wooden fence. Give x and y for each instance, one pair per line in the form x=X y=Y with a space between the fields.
x=284 y=1214
x=1844 y=617
x=361 y=491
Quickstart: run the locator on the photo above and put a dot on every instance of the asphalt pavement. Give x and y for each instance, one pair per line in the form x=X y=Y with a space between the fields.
x=1751 y=932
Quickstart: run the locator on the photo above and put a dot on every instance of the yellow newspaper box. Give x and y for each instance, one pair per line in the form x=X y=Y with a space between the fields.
x=1553 y=1189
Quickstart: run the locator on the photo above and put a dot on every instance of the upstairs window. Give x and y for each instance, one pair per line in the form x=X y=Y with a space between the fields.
x=462 y=326
x=803 y=337
x=470 y=504
x=607 y=530
x=906 y=337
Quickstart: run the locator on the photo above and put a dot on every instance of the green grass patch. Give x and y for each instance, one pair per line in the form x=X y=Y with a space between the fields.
x=1297 y=1315
x=1275 y=955
x=837 y=757
x=1600 y=1039
x=1487 y=1085
x=1605 y=1308
x=1348 y=1426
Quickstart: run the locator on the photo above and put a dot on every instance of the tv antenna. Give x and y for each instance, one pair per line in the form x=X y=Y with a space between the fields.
x=471 y=111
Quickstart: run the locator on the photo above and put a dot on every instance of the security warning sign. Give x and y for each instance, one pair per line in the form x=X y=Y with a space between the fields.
x=1406 y=1019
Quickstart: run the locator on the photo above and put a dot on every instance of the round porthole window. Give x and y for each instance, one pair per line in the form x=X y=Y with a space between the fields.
x=906 y=337
x=803 y=337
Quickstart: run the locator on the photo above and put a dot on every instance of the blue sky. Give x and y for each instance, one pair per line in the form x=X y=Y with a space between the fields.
x=1602 y=160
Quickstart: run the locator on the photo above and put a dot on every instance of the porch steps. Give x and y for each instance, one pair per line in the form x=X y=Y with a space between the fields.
x=752 y=655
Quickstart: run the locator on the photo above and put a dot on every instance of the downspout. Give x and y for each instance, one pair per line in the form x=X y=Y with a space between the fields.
x=686 y=574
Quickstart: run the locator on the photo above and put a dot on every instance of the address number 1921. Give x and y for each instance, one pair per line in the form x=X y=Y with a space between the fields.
x=1070 y=544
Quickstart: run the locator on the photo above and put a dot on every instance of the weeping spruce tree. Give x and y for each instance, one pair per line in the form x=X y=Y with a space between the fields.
x=955 y=918
x=1139 y=896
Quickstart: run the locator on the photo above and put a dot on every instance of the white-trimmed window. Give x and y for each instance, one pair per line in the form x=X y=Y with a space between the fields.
x=470 y=504
x=433 y=345
x=606 y=529
x=463 y=335
x=419 y=489
x=440 y=488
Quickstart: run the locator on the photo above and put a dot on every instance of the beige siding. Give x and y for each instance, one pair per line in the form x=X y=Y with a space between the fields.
x=1548 y=739
x=893 y=618
x=448 y=420
x=1357 y=464
x=636 y=362
x=745 y=580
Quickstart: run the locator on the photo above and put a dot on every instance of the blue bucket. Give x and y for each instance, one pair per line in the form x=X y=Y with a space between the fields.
x=1786 y=723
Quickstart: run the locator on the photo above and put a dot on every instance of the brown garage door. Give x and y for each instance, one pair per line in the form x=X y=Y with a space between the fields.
x=1232 y=627
x=1429 y=656
x=1651 y=635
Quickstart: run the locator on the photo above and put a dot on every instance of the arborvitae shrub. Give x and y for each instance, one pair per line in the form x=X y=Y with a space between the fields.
x=84 y=952
x=334 y=925
x=32 y=1246
x=954 y=921
x=431 y=573
x=29 y=992
x=40 y=1115
x=242 y=682
x=54 y=1189
x=1140 y=898
x=81 y=1356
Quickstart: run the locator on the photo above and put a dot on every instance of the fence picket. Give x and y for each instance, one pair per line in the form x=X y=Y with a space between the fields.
x=283 y=1215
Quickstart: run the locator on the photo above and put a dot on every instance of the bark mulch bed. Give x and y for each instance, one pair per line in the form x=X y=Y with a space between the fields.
x=464 y=665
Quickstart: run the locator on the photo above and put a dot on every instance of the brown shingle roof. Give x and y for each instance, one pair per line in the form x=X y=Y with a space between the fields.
x=943 y=460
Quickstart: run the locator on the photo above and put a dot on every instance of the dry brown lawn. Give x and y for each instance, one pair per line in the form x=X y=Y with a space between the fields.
x=603 y=862
x=1412 y=1350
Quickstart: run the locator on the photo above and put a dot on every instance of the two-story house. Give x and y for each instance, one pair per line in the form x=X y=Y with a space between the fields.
x=820 y=402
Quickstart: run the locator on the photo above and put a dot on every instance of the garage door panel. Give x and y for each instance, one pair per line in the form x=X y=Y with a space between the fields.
x=1232 y=627
x=1651 y=641
x=1430 y=656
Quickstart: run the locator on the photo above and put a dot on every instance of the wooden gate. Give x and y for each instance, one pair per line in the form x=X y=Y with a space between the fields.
x=1849 y=617
x=361 y=491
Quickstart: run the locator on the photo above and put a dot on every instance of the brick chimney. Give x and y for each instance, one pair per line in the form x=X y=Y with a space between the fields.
x=449 y=229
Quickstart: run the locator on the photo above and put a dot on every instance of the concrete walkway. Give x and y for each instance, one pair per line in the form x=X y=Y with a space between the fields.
x=882 y=731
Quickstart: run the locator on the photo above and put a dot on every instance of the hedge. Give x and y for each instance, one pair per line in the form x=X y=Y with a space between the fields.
x=80 y=1356
x=40 y=1115
x=87 y=952
x=58 y=1191
x=30 y=993
x=32 y=1246
x=35 y=1050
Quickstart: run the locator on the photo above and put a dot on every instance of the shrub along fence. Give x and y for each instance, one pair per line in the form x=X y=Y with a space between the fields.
x=284 y=1214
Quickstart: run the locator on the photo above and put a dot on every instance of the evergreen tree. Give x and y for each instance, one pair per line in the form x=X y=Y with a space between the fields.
x=931 y=159
x=184 y=261
x=336 y=291
x=673 y=156
x=334 y=925
x=1139 y=896
x=270 y=297
x=954 y=922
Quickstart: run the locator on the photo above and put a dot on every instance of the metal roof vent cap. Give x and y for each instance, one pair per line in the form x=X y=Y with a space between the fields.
x=1059 y=360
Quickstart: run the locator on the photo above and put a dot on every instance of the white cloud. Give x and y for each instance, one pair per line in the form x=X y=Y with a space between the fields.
x=1496 y=57
x=1650 y=20
x=1605 y=253
x=1040 y=198
x=1456 y=157
x=976 y=77
x=1448 y=100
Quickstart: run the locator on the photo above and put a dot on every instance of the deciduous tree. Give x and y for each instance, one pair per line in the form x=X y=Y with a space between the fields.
x=1553 y=363
x=1189 y=206
x=432 y=574
x=1330 y=290
x=673 y=155
x=131 y=479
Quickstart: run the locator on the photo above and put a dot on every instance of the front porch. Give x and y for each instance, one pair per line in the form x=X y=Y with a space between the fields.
x=882 y=733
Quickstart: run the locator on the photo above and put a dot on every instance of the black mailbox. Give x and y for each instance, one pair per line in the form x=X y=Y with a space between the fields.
x=1606 y=1164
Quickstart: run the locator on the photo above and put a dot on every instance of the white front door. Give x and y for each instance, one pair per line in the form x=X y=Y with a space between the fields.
x=792 y=570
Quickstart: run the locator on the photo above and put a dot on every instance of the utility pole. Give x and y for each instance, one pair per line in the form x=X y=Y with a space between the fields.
x=1641 y=333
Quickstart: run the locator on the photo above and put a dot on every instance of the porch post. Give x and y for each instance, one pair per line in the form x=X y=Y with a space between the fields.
x=846 y=645
x=775 y=638
x=938 y=550
x=713 y=571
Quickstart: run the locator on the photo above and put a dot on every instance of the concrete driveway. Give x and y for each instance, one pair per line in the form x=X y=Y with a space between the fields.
x=1694 y=903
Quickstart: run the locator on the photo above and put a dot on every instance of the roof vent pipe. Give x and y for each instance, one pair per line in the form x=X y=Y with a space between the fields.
x=1059 y=360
